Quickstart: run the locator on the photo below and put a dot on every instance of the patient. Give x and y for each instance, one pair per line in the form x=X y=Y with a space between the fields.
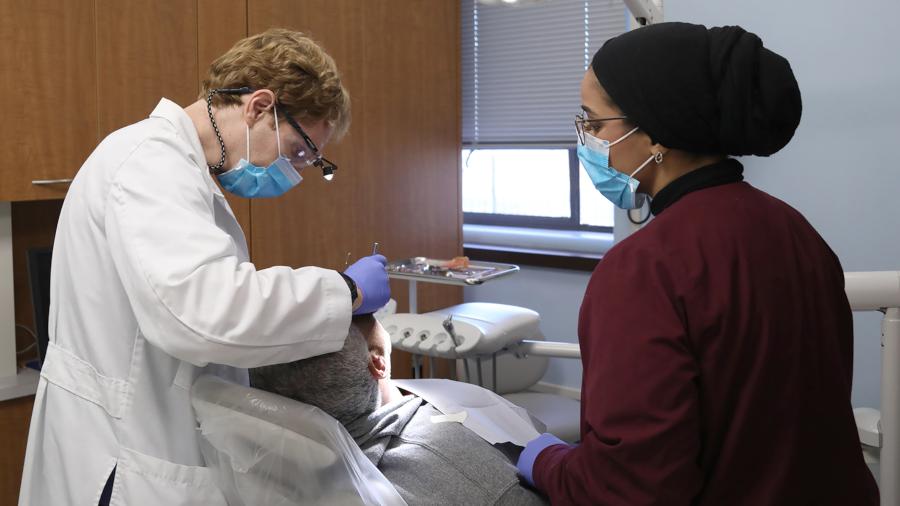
x=428 y=463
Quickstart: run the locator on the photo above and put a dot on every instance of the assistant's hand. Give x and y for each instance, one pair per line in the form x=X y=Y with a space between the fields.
x=531 y=452
x=371 y=280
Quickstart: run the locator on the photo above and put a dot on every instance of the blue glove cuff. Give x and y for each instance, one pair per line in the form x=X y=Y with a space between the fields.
x=371 y=279
x=530 y=454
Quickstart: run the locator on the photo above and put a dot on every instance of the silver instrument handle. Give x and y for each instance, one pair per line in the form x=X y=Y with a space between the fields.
x=47 y=182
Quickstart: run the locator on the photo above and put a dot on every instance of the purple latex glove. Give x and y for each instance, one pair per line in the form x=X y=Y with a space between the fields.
x=531 y=452
x=370 y=275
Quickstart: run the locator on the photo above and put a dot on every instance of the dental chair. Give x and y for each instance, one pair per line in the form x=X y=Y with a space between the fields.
x=266 y=449
x=482 y=338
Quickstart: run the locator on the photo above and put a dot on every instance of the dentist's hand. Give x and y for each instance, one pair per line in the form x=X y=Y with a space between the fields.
x=531 y=452
x=370 y=275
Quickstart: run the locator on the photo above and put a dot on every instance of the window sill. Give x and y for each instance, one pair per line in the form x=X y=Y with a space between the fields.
x=575 y=250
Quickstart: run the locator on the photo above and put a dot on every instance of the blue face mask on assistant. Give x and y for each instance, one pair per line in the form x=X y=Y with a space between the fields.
x=252 y=181
x=619 y=188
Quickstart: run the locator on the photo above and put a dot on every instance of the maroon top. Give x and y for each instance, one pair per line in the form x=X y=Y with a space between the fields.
x=717 y=346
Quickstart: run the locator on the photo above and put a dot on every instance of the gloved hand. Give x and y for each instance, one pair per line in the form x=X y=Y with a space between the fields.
x=531 y=452
x=371 y=280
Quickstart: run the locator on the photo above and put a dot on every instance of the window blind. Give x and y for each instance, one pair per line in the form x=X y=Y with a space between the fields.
x=522 y=67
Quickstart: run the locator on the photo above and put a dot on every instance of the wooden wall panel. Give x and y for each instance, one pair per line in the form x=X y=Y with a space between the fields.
x=413 y=134
x=399 y=177
x=48 y=96
x=412 y=125
x=145 y=51
x=221 y=23
x=15 y=415
x=317 y=223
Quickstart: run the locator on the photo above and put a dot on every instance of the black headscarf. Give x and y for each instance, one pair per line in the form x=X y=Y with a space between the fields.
x=709 y=91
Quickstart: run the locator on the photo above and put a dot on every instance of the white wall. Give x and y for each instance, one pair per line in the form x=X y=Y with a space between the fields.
x=842 y=170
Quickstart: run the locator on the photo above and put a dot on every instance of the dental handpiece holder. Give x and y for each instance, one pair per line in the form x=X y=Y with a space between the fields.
x=463 y=331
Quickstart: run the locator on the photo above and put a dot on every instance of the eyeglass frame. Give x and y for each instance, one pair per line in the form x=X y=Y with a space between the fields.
x=328 y=167
x=580 y=121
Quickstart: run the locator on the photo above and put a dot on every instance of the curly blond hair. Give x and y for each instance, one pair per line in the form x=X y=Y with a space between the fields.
x=301 y=74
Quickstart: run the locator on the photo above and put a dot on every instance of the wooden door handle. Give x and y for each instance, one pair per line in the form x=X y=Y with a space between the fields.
x=47 y=182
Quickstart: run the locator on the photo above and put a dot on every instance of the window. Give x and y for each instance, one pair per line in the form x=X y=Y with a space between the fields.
x=535 y=187
x=521 y=68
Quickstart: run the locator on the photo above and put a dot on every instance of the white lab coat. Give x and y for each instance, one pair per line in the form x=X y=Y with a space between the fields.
x=151 y=282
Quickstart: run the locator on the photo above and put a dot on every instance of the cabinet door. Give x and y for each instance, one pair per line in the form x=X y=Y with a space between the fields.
x=145 y=51
x=48 y=95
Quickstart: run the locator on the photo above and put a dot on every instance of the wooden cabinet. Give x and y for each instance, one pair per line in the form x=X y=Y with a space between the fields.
x=74 y=71
x=145 y=51
x=48 y=95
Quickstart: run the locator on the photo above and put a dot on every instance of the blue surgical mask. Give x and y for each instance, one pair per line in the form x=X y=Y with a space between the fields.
x=252 y=181
x=619 y=188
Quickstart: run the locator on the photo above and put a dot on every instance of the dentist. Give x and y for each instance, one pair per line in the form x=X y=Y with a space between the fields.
x=152 y=282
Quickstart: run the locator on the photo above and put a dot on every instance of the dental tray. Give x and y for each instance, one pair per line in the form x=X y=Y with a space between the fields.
x=449 y=272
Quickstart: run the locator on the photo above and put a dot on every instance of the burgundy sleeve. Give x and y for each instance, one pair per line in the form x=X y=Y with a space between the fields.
x=640 y=418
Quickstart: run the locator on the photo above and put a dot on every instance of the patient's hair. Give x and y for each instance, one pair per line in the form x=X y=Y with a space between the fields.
x=338 y=383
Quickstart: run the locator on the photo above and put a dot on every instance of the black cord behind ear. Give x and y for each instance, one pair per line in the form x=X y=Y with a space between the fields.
x=217 y=168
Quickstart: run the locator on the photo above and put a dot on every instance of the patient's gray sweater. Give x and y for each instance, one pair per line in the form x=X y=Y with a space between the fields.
x=437 y=463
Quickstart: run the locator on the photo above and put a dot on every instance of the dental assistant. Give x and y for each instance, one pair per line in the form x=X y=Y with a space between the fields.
x=717 y=341
x=152 y=282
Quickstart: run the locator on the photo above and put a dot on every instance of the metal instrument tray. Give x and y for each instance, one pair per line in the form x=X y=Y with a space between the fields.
x=428 y=270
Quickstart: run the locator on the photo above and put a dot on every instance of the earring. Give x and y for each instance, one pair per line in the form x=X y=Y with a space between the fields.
x=658 y=158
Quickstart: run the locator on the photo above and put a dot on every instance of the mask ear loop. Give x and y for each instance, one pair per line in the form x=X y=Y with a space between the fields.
x=658 y=158
x=277 y=132
x=643 y=165
x=246 y=126
x=620 y=139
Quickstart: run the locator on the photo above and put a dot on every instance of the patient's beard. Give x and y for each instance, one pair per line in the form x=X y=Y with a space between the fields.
x=389 y=391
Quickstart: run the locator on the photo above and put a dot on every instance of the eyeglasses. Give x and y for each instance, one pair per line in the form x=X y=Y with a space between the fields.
x=583 y=124
x=317 y=159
